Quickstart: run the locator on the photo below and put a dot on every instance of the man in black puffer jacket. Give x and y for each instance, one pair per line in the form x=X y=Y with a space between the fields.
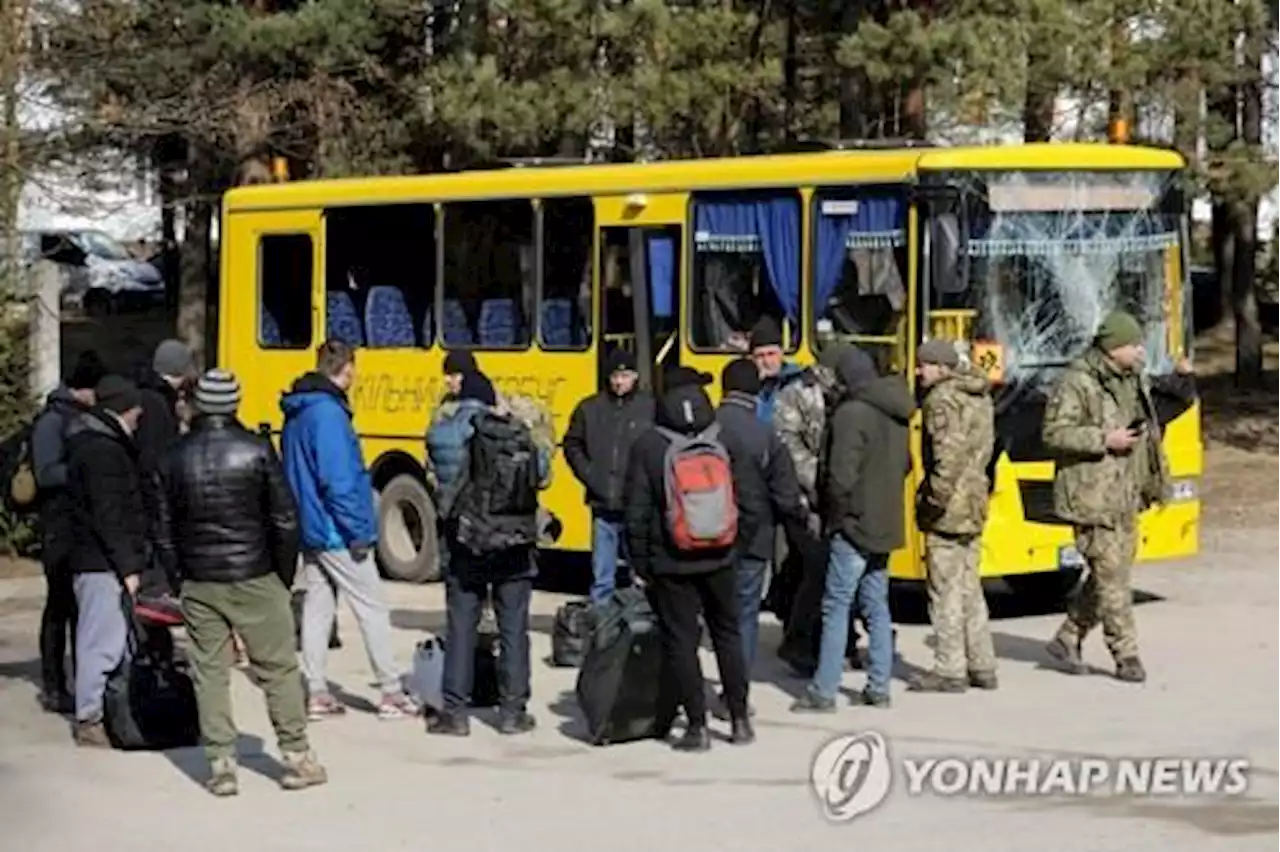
x=597 y=445
x=228 y=528
x=682 y=584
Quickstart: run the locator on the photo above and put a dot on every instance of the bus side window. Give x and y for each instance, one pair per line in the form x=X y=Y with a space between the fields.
x=489 y=275
x=284 y=291
x=860 y=264
x=746 y=264
x=380 y=271
x=564 y=298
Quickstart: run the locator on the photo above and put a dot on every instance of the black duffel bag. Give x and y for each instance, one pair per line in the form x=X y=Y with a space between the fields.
x=618 y=683
x=149 y=703
x=569 y=634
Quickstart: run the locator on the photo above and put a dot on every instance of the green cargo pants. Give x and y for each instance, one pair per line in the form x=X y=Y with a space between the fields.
x=258 y=612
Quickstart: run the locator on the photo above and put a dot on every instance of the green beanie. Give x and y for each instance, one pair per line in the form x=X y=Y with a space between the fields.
x=1118 y=329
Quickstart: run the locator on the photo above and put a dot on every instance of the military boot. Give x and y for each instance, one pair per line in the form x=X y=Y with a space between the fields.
x=302 y=770
x=1067 y=653
x=983 y=680
x=222 y=778
x=1130 y=670
x=934 y=682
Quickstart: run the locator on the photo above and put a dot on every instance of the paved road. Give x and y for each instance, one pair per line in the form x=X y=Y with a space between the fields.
x=1209 y=641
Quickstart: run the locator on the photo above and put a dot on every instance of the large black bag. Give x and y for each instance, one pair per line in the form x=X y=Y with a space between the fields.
x=619 y=679
x=149 y=703
x=569 y=634
x=484 y=683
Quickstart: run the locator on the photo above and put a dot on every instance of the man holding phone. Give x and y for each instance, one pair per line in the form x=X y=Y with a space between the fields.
x=1101 y=425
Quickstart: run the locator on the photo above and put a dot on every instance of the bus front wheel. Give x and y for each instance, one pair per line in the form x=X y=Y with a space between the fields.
x=407 y=543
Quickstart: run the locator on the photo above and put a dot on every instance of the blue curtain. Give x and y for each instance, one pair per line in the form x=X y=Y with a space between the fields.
x=662 y=275
x=750 y=223
x=877 y=222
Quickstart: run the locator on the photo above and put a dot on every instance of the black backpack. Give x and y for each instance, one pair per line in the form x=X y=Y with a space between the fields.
x=497 y=505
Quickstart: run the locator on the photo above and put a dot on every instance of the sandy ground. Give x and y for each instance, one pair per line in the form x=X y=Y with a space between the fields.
x=1209 y=640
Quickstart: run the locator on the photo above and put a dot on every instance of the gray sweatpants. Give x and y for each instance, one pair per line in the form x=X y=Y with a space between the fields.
x=324 y=575
x=101 y=639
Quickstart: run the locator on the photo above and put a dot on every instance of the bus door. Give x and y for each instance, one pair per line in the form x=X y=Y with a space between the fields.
x=270 y=320
x=639 y=240
x=864 y=293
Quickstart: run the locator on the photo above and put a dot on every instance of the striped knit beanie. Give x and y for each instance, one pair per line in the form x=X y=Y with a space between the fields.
x=217 y=392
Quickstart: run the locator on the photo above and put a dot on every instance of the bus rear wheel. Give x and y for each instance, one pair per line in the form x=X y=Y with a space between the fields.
x=407 y=543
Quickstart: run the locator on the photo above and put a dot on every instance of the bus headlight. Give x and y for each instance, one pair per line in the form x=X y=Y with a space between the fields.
x=1182 y=490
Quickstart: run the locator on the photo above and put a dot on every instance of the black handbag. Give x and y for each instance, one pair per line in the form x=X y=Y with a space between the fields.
x=149 y=703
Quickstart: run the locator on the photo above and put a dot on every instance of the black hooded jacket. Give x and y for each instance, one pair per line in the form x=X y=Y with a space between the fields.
x=686 y=410
x=598 y=443
x=108 y=522
x=867 y=461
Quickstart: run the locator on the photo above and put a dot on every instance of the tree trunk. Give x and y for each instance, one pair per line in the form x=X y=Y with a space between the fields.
x=790 y=73
x=914 y=121
x=854 y=87
x=195 y=288
x=1244 y=292
x=1042 y=93
x=1223 y=242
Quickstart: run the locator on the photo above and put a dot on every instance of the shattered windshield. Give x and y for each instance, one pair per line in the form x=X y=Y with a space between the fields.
x=1046 y=255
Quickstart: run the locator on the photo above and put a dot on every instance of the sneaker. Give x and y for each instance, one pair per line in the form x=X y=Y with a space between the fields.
x=1130 y=670
x=811 y=702
x=445 y=724
x=516 y=723
x=934 y=682
x=874 y=699
x=302 y=770
x=983 y=680
x=398 y=705
x=91 y=734
x=694 y=739
x=222 y=778
x=1067 y=653
x=324 y=706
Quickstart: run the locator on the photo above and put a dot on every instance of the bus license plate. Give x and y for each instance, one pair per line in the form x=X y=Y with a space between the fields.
x=1069 y=557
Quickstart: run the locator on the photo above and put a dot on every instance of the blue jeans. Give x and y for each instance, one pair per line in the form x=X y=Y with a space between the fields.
x=464 y=598
x=608 y=543
x=750 y=578
x=850 y=573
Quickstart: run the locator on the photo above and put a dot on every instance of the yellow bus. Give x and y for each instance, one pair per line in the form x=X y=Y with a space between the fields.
x=1016 y=250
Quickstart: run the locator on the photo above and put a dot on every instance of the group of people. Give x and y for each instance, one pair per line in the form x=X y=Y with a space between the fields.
x=820 y=458
x=154 y=497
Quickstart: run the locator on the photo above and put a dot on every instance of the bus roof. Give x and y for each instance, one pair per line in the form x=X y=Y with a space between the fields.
x=883 y=166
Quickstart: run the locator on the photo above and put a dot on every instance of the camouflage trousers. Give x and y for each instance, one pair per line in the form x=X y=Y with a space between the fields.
x=1106 y=596
x=957 y=607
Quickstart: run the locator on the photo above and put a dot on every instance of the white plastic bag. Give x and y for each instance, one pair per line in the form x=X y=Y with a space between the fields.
x=426 y=680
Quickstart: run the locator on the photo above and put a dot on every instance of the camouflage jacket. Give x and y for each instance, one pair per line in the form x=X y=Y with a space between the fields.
x=524 y=408
x=1094 y=487
x=959 y=437
x=799 y=417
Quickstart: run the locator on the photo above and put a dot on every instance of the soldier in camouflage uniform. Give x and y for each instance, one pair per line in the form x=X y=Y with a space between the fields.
x=1102 y=427
x=951 y=509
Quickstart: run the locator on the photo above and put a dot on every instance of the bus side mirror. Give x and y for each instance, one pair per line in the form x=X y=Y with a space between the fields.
x=949 y=267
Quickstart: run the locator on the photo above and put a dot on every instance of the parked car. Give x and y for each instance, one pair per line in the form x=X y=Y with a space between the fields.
x=101 y=277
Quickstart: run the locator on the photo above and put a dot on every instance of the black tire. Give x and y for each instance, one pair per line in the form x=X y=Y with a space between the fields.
x=407 y=544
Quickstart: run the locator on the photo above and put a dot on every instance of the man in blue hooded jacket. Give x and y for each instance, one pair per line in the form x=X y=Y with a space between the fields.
x=339 y=528
x=775 y=371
